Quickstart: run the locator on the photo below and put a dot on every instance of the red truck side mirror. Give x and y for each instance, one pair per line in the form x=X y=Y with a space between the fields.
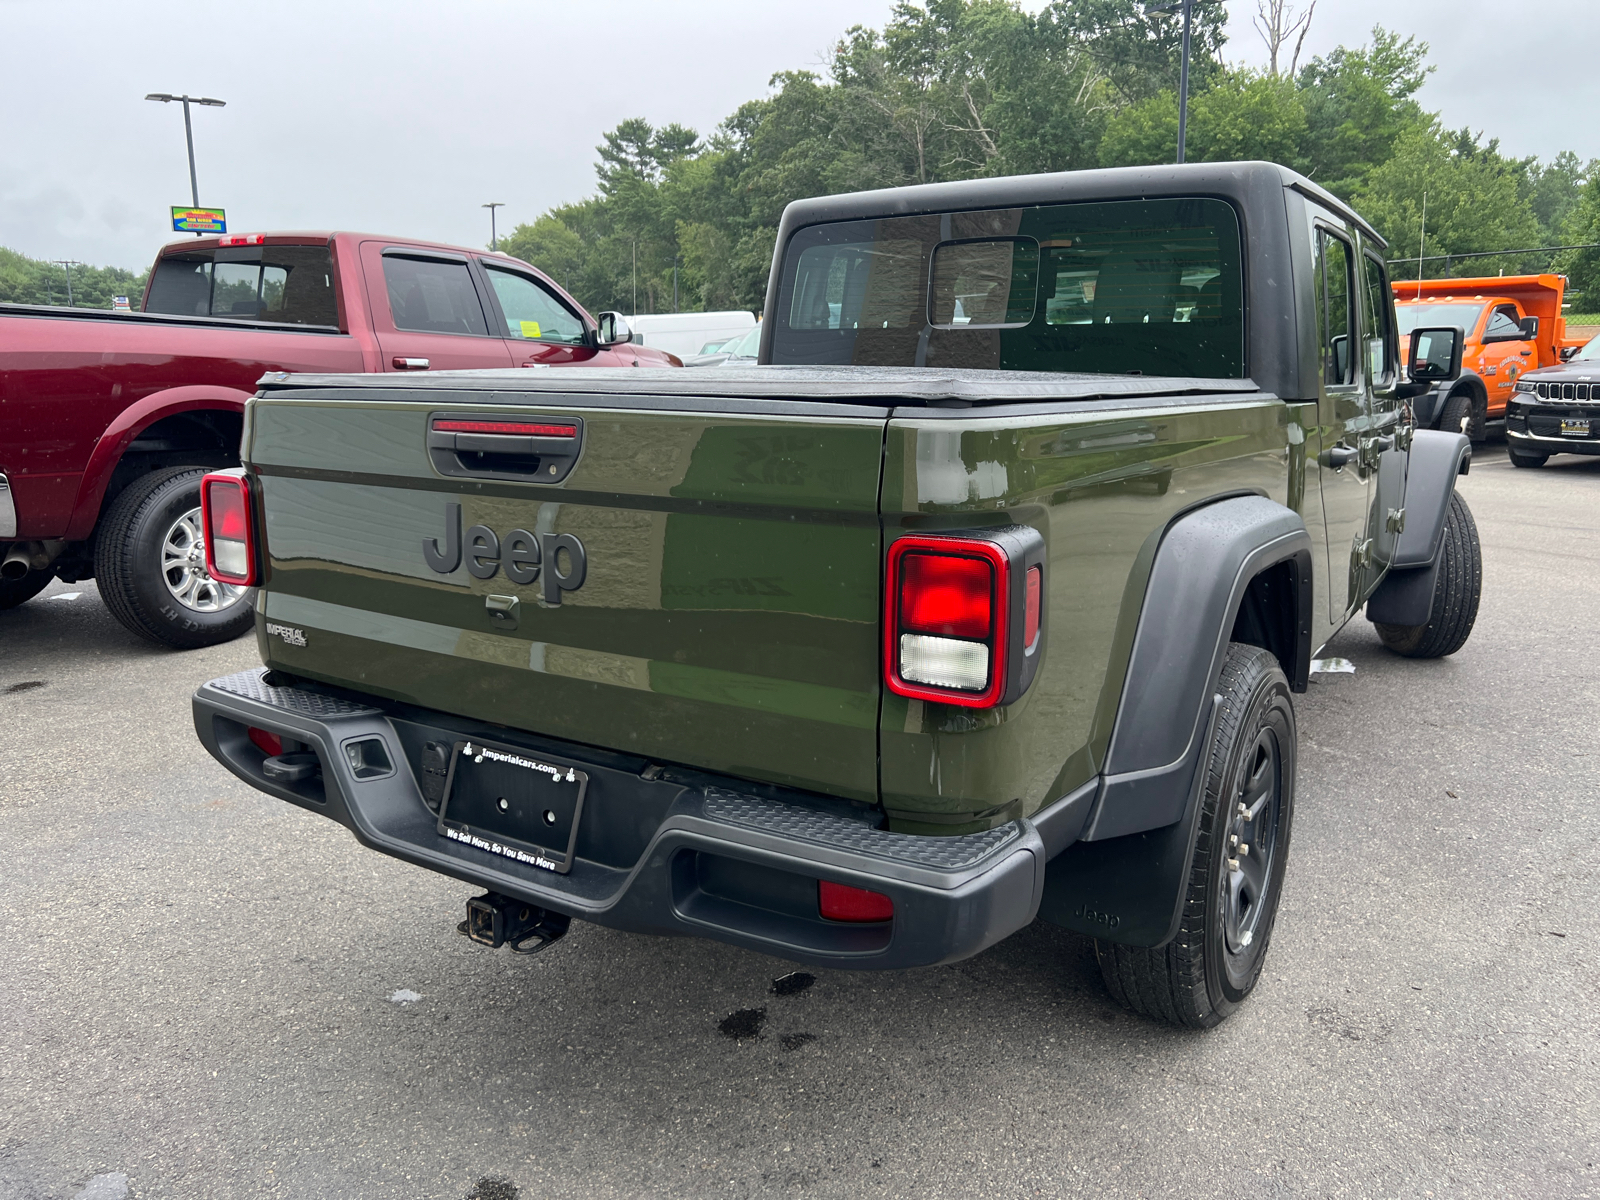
x=612 y=330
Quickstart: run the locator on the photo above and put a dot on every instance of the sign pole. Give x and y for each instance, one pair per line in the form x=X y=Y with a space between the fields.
x=194 y=181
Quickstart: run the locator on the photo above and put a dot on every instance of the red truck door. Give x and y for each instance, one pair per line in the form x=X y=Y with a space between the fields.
x=426 y=311
x=1506 y=354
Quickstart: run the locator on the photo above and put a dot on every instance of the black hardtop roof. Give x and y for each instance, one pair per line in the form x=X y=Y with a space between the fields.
x=1020 y=191
x=905 y=385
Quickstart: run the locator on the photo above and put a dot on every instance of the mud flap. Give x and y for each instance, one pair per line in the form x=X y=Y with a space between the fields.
x=1129 y=889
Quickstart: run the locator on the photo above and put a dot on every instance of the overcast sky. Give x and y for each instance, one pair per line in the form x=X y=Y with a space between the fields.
x=403 y=116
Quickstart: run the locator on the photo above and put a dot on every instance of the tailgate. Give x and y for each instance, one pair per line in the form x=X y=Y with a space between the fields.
x=727 y=611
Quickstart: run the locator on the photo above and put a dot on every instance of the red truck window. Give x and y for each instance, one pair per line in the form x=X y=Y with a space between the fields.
x=433 y=295
x=531 y=311
x=291 y=285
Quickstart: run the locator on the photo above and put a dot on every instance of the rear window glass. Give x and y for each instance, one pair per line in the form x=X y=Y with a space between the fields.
x=1145 y=286
x=432 y=295
x=292 y=285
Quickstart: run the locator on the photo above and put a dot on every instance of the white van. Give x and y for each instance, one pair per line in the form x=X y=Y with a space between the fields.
x=684 y=334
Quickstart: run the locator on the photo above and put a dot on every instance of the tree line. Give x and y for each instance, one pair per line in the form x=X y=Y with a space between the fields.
x=25 y=280
x=960 y=89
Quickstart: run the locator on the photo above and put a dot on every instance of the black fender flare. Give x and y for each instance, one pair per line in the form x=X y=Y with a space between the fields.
x=1405 y=594
x=1123 y=879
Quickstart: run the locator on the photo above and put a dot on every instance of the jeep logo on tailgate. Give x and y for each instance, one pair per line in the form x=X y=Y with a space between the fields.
x=525 y=556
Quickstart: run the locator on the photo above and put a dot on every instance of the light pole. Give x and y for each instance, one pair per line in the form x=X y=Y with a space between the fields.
x=494 y=241
x=68 y=264
x=1187 y=8
x=188 y=131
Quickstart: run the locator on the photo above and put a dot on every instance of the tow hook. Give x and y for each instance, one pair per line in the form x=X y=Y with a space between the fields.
x=294 y=767
x=494 y=920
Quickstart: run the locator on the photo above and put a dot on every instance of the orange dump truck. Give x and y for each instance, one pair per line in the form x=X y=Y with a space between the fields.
x=1513 y=325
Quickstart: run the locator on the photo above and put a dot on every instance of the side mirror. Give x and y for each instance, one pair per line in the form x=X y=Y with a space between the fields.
x=1341 y=358
x=1567 y=352
x=613 y=330
x=1436 y=354
x=1529 y=328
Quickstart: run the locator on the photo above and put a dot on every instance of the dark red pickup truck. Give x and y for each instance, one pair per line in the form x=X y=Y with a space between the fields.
x=108 y=420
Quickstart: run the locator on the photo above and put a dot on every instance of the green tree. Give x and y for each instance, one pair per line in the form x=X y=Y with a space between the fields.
x=958 y=89
x=1244 y=115
x=25 y=280
x=1581 y=226
x=1474 y=201
x=1555 y=190
x=1357 y=103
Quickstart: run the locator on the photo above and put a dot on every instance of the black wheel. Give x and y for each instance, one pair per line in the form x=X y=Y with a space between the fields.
x=1236 y=874
x=19 y=591
x=1455 y=592
x=1518 y=459
x=1458 y=408
x=150 y=564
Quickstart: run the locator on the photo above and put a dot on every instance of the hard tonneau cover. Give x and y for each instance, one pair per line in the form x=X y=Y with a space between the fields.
x=851 y=385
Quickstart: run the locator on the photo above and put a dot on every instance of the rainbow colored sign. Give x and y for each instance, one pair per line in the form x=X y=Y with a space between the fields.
x=199 y=220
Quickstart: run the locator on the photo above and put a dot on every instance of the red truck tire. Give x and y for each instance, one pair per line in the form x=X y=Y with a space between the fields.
x=149 y=563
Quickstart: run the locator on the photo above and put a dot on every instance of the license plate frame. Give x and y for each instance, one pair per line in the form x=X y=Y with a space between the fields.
x=1575 y=426
x=500 y=799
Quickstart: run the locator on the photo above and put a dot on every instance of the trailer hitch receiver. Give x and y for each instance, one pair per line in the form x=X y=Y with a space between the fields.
x=494 y=920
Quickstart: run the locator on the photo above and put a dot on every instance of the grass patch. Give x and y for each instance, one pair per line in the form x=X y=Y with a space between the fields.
x=1583 y=318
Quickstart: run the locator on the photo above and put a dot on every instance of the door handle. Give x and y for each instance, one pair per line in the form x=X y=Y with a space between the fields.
x=1339 y=457
x=410 y=364
x=1524 y=353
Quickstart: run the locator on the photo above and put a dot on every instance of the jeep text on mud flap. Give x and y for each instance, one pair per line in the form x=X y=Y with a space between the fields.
x=982 y=601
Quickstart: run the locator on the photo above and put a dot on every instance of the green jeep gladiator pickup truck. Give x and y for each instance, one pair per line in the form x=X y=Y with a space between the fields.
x=982 y=600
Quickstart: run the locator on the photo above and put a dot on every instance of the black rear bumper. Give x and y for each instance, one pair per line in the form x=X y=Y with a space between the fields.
x=660 y=851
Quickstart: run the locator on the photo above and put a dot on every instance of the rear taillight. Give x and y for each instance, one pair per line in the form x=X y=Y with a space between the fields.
x=242 y=239
x=506 y=428
x=840 y=902
x=229 y=528
x=963 y=615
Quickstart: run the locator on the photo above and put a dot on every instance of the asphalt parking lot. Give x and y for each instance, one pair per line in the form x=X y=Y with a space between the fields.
x=206 y=993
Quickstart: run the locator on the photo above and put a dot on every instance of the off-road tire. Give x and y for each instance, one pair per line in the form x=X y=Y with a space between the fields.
x=1527 y=460
x=1457 y=408
x=19 y=591
x=1455 y=592
x=128 y=562
x=1196 y=980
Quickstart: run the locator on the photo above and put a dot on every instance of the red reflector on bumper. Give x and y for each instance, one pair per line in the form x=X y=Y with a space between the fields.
x=839 y=902
x=269 y=744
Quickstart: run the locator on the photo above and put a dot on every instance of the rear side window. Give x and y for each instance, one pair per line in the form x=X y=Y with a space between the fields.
x=1151 y=286
x=531 y=311
x=1333 y=307
x=1375 y=321
x=433 y=295
x=290 y=285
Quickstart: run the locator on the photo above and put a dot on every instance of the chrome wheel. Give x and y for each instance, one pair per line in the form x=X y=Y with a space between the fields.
x=183 y=568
